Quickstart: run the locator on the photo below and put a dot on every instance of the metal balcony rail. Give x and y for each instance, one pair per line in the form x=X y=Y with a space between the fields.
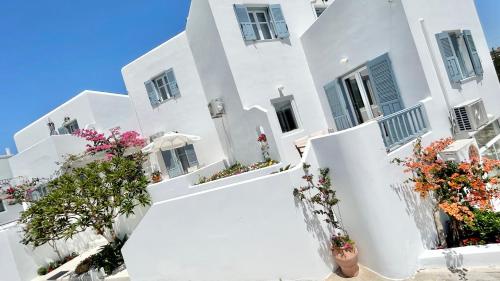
x=401 y=127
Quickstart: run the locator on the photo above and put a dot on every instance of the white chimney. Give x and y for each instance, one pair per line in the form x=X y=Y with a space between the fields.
x=7 y=151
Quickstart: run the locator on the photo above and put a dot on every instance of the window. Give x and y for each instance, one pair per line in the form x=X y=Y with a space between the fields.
x=179 y=161
x=460 y=55
x=72 y=126
x=364 y=94
x=261 y=23
x=285 y=114
x=162 y=88
x=360 y=92
x=2 y=206
x=69 y=127
x=319 y=11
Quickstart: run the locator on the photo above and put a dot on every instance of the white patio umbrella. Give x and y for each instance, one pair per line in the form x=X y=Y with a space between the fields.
x=170 y=141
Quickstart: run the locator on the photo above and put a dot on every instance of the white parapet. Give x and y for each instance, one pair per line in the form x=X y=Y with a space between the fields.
x=470 y=256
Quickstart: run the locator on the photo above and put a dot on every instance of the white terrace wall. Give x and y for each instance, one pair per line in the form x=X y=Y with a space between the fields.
x=439 y=16
x=362 y=30
x=41 y=160
x=187 y=114
x=23 y=261
x=197 y=234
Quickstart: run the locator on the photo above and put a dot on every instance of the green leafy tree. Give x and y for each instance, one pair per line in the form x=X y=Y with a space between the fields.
x=92 y=196
x=495 y=54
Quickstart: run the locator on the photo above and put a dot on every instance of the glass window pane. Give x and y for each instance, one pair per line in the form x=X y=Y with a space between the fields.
x=286 y=116
x=265 y=31
x=252 y=18
x=261 y=17
x=163 y=93
x=256 y=30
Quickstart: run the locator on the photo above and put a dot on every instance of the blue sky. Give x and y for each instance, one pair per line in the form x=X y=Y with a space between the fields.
x=52 y=50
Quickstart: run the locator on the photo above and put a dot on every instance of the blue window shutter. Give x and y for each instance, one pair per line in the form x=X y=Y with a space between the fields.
x=450 y=58
x=172 y=163
x=471 y=46
x=245 y=23
x=384 y=85
x=337 y=105
x=191 y=155
x=279 y=22
x=172 y=83
x=152 y=95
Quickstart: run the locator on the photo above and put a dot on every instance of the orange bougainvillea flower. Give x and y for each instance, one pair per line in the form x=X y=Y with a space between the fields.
x=458 y=188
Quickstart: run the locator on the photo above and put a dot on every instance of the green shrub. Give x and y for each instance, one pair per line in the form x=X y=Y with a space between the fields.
x=42 y=271
x=486 y=227
x=108 y=258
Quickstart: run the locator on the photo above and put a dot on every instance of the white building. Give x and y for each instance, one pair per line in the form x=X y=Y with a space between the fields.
x=45 y=143
x=358 y=83
x=379 y=73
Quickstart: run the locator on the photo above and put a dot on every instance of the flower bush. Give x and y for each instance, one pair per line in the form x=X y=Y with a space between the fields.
x=323 y=197
x=457 y=188
x=113 y=145
x=56 y=264
x=21 y=193
x=236 y=169
x=264 y=147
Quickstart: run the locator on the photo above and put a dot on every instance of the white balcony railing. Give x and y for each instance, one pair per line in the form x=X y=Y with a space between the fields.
x=403 y=126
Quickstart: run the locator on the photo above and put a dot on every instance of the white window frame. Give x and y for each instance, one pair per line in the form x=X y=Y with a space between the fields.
x=253 y=11
x=364 y=95
x=462 y=53
x=293 y=106
x=165 y=82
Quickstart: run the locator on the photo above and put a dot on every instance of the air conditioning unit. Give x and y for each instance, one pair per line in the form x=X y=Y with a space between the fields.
x=470 y=116
x=216 y=108
x=461 y=150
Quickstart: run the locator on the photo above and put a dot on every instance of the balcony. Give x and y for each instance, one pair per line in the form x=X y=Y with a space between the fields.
x=401 y=127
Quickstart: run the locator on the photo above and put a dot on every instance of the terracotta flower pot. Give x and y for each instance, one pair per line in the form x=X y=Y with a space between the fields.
x=157 y=179
x=348 y=262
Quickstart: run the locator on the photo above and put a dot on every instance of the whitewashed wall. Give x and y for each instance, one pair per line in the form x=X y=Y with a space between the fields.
x=362 y=30
x=247 y=75
x=102 y=111
x=260 y=68
x=198 y=234
x=42 y=159
x=5 y=170
x=25 y=260
x=251 y=230
x=438 y=16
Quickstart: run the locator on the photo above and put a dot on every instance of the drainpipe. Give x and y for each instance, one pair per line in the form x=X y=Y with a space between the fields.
x=439 y=75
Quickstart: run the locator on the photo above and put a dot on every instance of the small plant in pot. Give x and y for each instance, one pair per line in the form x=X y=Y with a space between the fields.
x=156 y=176
x=323 y=199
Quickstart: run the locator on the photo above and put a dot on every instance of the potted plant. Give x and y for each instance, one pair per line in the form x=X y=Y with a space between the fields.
x=322 y=197
x=345 y=254
x=156 y=176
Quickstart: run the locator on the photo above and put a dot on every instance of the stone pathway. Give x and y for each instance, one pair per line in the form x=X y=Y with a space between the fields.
x=473 y=274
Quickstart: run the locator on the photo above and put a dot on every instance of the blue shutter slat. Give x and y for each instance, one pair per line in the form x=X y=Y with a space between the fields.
x=279 y=22
x=474 y=55
x=172 y=82
x=450 y=58
x=245 y=23
x=191 y=155
x=337 y=105
x=152 y=95
x=171 y=162
x=384 y=85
